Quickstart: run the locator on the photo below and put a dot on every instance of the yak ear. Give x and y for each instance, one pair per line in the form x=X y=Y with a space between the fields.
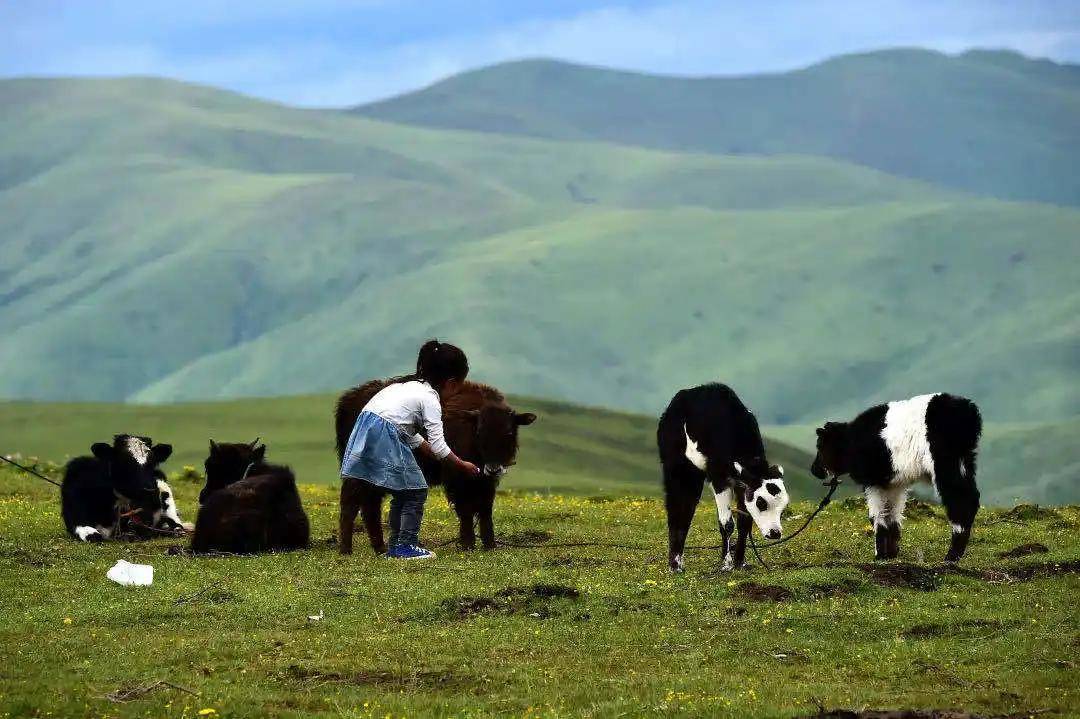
x=777 y=470
x=820 y=431
x=161 y=452
x=213 y=447
x=259 y=453
x=101 y=450
x=524 y=418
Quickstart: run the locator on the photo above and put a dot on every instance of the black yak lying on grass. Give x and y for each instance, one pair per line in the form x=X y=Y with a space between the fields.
x=248 y=506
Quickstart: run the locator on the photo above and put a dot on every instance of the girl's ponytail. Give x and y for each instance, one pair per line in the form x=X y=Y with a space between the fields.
x=438 y=362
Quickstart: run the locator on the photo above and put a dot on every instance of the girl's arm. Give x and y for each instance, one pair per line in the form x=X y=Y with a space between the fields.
x=452 y=459
x=435 y=446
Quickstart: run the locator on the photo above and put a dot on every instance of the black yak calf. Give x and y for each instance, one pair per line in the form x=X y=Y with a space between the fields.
x=119 y=487
x=888 y=448
x=479 y=427
x=707 y=433
x=248 y=505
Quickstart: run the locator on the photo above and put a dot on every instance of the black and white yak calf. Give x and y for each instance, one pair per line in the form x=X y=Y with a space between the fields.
x=248 y=505
x=119 y=487
x=707 y=434
x=888 y=448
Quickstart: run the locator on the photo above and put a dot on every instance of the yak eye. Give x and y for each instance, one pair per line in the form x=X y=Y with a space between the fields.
x=773 y=489
x=762 y=505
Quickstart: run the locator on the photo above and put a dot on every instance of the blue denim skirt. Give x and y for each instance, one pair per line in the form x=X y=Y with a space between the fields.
x=377 y=453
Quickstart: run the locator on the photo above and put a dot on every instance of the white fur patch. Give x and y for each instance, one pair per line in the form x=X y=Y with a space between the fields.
x=738 y=468
x=723 y=505
x=692 y=452
x=84 y=533
x=958 y=529
x=904 y=435
x=495 y=470
x=885 y=505
x=138 y=449
x=170 y=511
x=768 y=519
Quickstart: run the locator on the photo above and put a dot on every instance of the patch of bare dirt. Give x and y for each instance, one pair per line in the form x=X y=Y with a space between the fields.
x=839 y=588
x=929 y=631
x=1031 y=571
x=909 y=576
x=536 y=600
x=764 y=592
x=1024 y=550
x=424 y=680
x=529 y=536
x=1028 y=512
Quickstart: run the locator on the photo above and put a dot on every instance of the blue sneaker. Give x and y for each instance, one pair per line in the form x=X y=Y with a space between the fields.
x=409 y=551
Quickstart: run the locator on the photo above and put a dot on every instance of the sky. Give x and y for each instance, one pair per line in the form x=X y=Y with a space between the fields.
x=334 y=53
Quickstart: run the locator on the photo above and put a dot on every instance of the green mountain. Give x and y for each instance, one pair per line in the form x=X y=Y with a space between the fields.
x=992 y=123
x=164 y=241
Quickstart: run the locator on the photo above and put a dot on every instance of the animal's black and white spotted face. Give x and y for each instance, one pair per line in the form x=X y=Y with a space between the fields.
x=766 y=498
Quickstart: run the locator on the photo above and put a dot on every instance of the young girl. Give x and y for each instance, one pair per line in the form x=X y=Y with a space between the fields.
x=380 y=449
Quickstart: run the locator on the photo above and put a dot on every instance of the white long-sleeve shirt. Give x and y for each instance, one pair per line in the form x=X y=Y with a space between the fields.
x=411 y=406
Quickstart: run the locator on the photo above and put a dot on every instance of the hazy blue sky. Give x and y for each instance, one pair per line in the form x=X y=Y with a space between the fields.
x=341 y=52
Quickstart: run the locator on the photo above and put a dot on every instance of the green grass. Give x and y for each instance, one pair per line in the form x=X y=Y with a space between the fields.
x=570 y=450
x=168 y=242
x=994 y=123
x=414 y=640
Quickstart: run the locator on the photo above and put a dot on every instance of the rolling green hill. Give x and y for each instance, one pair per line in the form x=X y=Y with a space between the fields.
x=993 y=123
x=571 y=450
x=164 y=241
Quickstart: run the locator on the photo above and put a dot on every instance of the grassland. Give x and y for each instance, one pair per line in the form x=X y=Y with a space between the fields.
x=571 y=450
x=540 y=632
x=164 y=241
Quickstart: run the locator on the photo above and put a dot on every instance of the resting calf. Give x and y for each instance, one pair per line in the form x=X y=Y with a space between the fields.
x=120 y=485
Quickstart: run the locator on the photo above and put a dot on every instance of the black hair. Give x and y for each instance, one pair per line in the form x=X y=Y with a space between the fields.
x=438 y=362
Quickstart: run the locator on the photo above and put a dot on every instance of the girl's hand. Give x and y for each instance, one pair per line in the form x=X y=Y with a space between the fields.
x=470 y=468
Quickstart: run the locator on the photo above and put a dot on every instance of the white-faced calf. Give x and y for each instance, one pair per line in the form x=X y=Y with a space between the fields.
x=119 y=482
x=888 y=448
x=707 y=434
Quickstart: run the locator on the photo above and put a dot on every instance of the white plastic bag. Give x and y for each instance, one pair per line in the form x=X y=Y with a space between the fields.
x=131 y=575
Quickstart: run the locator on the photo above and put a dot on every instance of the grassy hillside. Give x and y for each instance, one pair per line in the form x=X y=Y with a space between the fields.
x=548 y=631
x=993 y=123
x=571 y=450
x=166 y=241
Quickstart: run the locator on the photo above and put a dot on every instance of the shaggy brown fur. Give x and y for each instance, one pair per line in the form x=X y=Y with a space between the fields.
x=479 y=426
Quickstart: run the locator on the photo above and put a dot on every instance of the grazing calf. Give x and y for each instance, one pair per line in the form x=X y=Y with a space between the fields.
x=121 y=481
x=248 y=505
x=479 y=427
x=888 y=448
x=706 y=433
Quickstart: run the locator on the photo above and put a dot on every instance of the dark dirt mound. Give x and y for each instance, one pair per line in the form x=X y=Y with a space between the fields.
x=427 y=679
x=928 y=631
x=840 y=588
x=534 y=600
x=764 y=592
x=1028 y=512
x=1034 y=570
x=911 y=576
x=1024 y=550
x=918 y=509
x=529 y=536
x=912 y=714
